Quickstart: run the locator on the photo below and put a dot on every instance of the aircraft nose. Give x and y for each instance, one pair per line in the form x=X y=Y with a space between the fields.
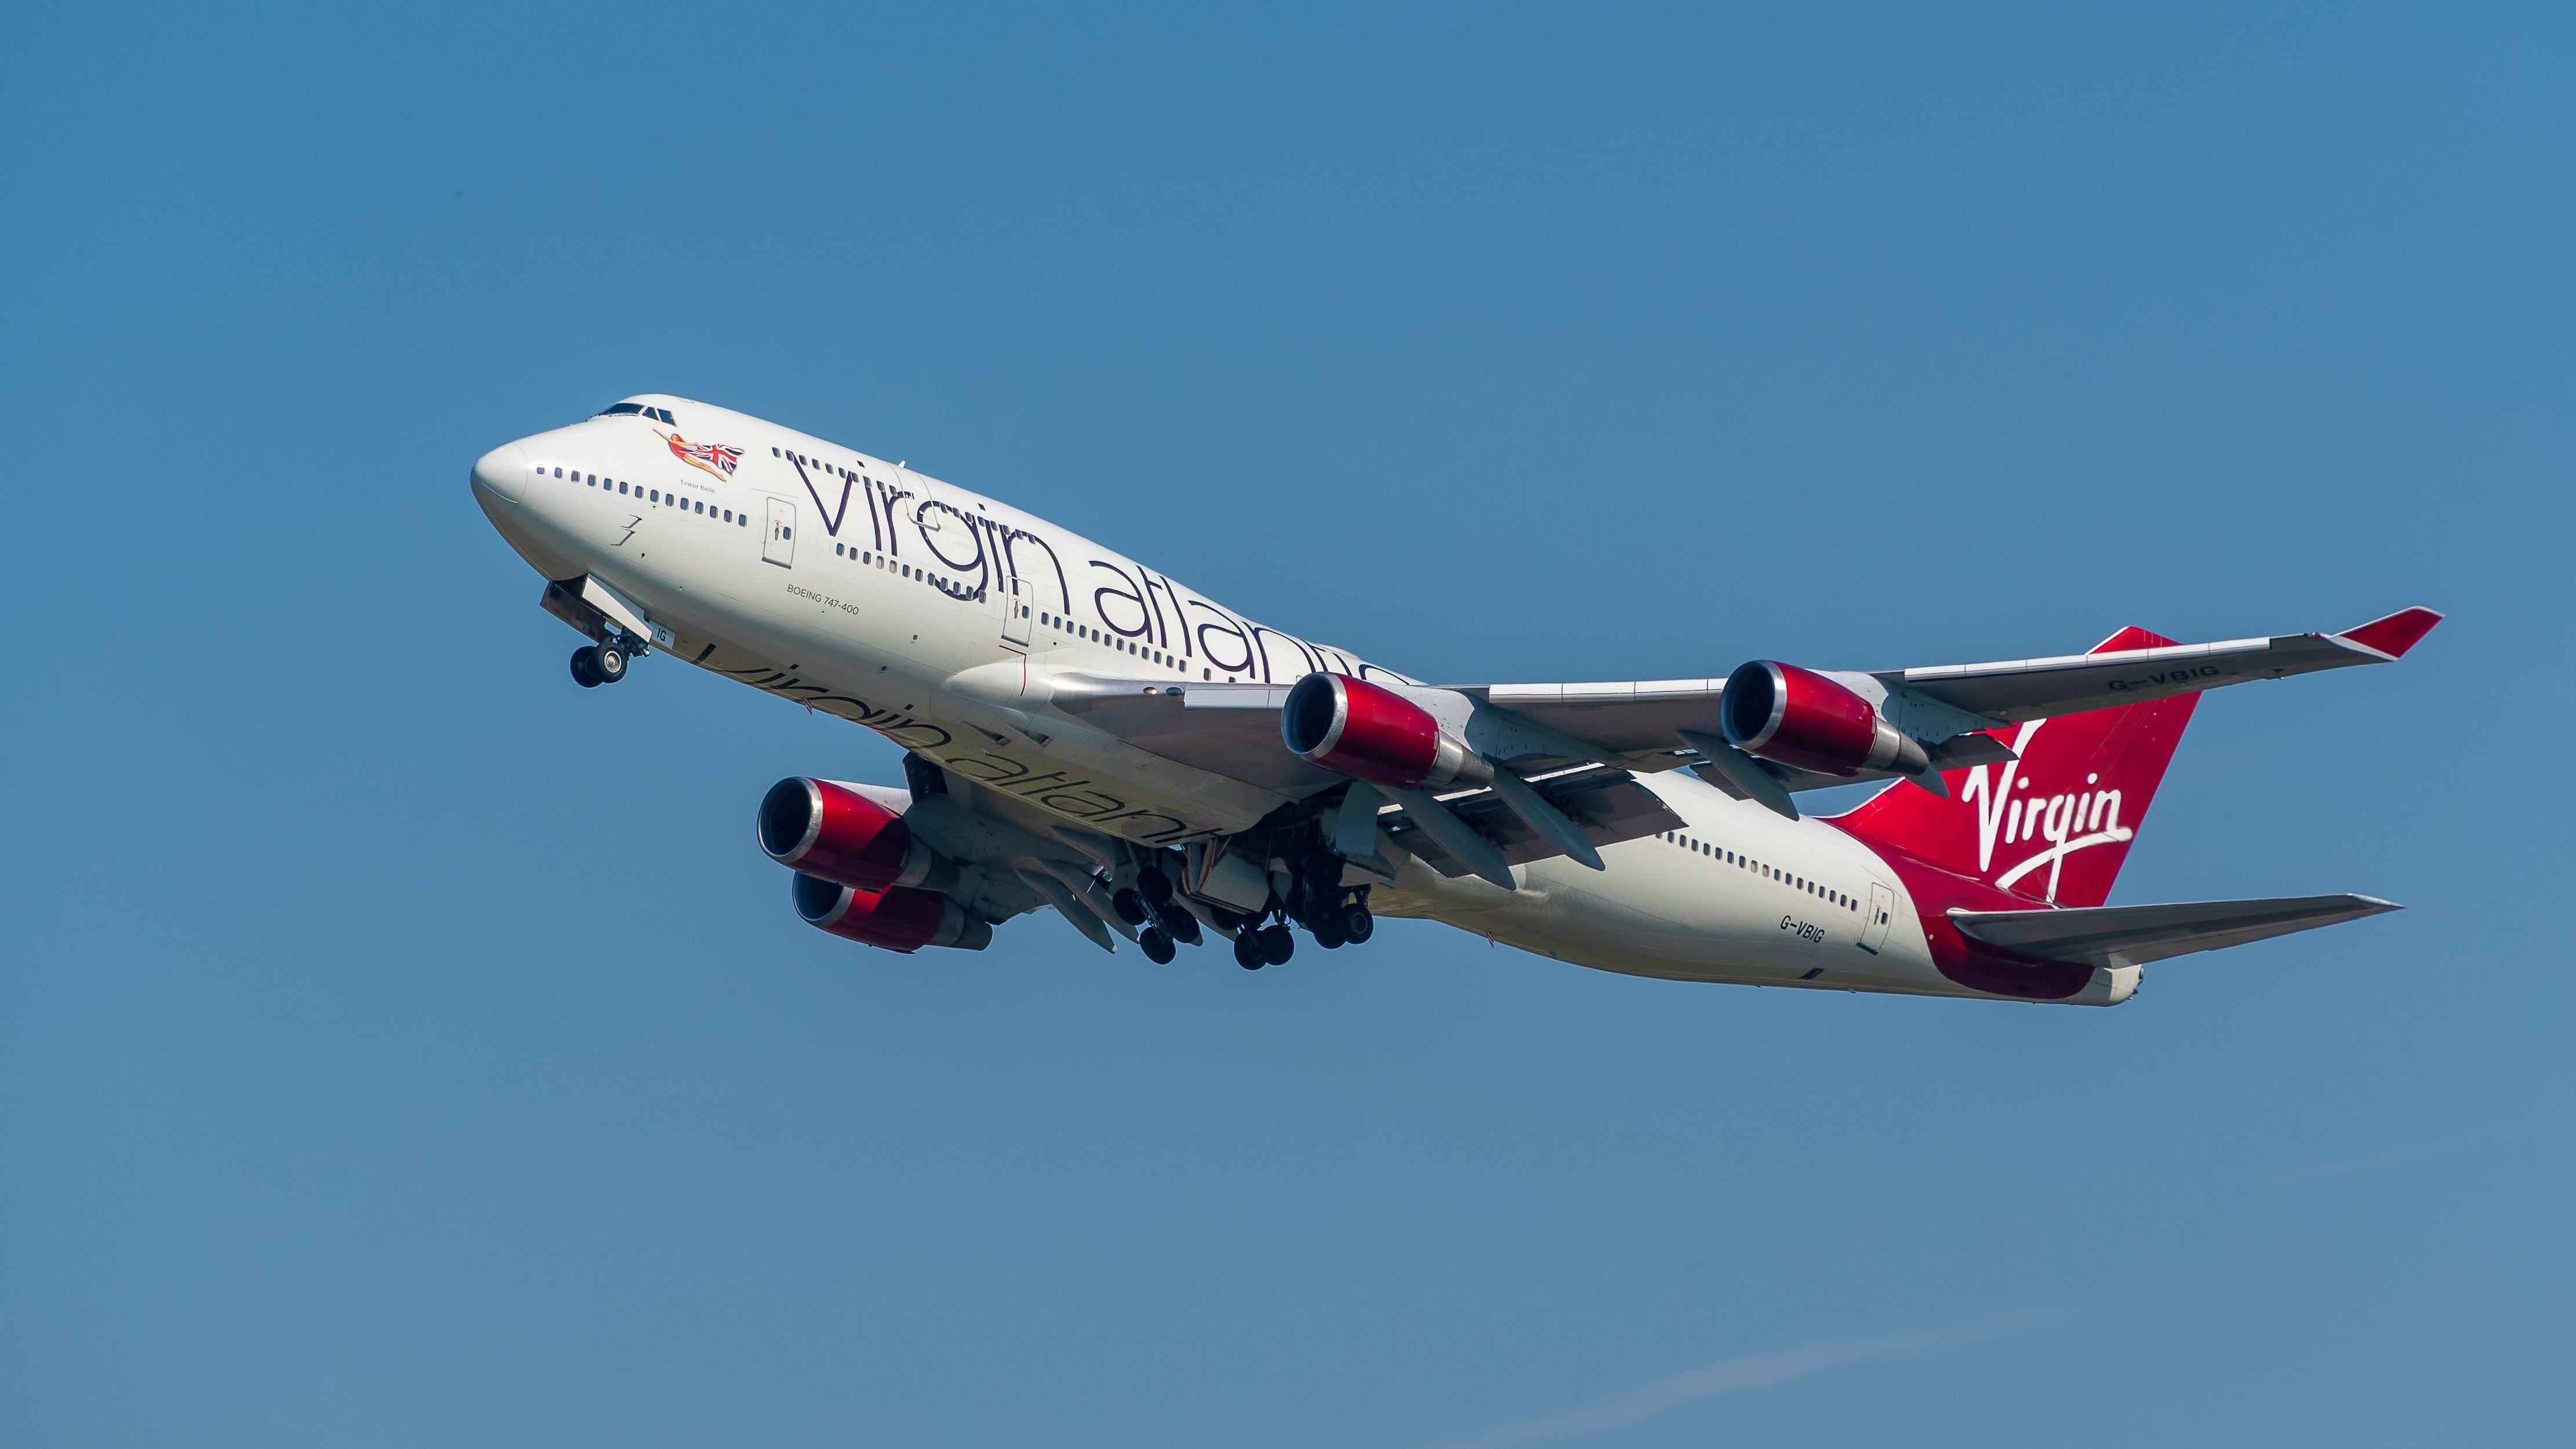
x=502 y=474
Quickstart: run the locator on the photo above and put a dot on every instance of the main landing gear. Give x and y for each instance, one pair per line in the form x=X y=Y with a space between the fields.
x=1163 y=924
x=1271 y=945
x=1311 y=896
x=596 y=664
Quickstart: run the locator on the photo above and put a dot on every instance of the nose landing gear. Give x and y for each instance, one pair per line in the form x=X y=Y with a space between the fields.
x=596 y=664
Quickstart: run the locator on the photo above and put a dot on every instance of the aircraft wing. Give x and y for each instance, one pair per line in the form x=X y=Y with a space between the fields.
x=2135 y=935
x=1646 y=714
x=1013 y=858
x=1232 y=730
x=1225 y=729
x=1605 y=804
x=2015 y=690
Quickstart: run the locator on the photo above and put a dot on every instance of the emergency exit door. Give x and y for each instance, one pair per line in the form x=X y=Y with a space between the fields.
x=1882 y=912
x=778 y=546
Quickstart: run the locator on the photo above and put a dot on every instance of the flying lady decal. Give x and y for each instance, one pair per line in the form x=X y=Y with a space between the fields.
x=715 y=458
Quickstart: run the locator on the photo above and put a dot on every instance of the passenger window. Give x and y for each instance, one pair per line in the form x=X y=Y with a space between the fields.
x=787 y=533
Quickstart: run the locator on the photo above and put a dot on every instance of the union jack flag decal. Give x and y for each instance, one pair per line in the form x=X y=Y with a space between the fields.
x=716 y=458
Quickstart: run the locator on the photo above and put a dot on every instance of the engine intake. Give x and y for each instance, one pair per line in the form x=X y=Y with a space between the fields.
x=1372 y=733
x=1799 y=717
x=901 y=918
x=829 y=830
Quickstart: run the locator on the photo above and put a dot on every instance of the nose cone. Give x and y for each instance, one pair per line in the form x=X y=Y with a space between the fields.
x=501 y=476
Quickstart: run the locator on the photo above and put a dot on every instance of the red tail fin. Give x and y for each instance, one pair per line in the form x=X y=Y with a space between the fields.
x=2055 y=824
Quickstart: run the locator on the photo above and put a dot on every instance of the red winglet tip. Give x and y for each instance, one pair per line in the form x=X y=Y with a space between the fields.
x=2397 y=633
x=2132 y=637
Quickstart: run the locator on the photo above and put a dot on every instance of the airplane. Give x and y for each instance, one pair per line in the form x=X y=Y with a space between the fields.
x=1086 y=735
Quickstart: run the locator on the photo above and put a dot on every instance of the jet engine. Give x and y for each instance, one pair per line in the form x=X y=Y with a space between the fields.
x=820 y=828
x=899 y=918
x=1372 y=733
x=1799 y=717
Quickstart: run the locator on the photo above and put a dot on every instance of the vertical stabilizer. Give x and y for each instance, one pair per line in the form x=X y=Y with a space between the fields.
x=2054 y=825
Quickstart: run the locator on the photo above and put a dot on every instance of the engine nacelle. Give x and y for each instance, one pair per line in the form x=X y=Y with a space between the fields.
x=1372 y=733
x=1799 y=717
x=829 y=830
x=900 y=918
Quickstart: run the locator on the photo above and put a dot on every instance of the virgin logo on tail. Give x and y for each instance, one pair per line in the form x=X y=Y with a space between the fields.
x=2066 y=822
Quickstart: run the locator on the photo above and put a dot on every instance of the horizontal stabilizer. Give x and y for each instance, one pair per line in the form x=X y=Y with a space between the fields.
x=2134 y=935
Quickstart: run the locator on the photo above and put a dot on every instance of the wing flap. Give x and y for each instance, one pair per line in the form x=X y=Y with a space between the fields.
x=1604 y=804
x=2135 y=935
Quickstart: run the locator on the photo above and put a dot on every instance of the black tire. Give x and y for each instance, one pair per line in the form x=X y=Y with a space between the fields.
x=1327 y=933
x=610 y=662
x=1247 y=951
x=1155 y=886
x=1158 y=948
x=585 y=667
x=1129 y=906
x=1278 y=943
x=1179 y=924
x=1356 y=923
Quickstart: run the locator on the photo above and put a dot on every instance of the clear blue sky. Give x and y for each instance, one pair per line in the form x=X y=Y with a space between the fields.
x=400 y=1046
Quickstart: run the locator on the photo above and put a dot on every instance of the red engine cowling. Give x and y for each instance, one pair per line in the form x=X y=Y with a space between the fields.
x=1372 y=733
x=901 y=918
x=1799 y=717
x=832 y=831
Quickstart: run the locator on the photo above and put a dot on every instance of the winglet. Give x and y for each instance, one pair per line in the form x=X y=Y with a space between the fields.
x=2396 y=634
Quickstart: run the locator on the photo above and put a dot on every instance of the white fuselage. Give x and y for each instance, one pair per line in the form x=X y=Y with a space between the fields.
x=859 y=587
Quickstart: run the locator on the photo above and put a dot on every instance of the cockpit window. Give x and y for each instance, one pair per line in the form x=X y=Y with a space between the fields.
x=615 y=409
x=637 y=409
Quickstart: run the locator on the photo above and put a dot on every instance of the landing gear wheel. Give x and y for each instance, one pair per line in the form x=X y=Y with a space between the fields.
x=1129 y=906
x=585 y=667
x=1177 y=923
x=1154 y=886
x=609 y=661
x=1327 y=931
x=1356 y=923
x=1158 y=947
x=1278 y=943
x=1247 y=951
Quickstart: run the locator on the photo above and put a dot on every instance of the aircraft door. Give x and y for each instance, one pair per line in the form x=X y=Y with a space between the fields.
x=1015 y=607
x=778 y=545
x=1882 y=912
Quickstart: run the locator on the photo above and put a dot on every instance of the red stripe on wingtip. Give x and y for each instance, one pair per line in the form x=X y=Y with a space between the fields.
x=2397 y=633
x=2132 y=637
